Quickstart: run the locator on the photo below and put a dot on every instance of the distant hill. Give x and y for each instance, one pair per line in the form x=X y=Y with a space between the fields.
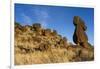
x=36 y=45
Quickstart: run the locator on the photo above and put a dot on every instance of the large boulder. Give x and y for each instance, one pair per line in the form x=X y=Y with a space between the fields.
x=79 y=36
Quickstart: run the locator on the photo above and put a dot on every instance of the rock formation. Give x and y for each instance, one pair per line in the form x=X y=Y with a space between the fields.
x=80 y=37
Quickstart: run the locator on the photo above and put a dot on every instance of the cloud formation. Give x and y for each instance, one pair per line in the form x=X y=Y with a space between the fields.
x=42 y=16
x=26 y=19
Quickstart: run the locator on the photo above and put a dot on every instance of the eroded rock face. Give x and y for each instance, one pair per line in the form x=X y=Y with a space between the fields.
x=79 y=36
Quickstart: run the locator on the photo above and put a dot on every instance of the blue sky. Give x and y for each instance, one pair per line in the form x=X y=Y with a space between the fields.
x=59 y=18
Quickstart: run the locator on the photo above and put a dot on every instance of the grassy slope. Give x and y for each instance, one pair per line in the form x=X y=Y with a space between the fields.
x=35 y=45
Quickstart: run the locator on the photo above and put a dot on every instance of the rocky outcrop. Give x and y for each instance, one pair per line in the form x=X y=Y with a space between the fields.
x=34 y=45
x=32 y=37
x=80 y=36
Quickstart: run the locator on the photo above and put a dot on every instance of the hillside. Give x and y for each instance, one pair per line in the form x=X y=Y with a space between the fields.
x=36 y=45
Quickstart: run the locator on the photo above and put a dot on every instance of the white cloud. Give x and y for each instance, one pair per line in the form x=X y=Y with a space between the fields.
x=42 y=16
x=26 y=19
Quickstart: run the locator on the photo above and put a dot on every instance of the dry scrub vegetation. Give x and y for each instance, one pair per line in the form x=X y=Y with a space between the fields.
x=36 y=45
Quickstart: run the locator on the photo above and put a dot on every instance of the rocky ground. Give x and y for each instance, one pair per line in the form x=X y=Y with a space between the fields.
x=36 y=45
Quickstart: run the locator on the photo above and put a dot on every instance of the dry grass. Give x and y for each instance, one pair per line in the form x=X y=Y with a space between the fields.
x=44 y=46
x=38 y=57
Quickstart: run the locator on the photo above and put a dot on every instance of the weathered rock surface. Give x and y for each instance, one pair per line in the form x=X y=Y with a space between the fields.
x=80 y=36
